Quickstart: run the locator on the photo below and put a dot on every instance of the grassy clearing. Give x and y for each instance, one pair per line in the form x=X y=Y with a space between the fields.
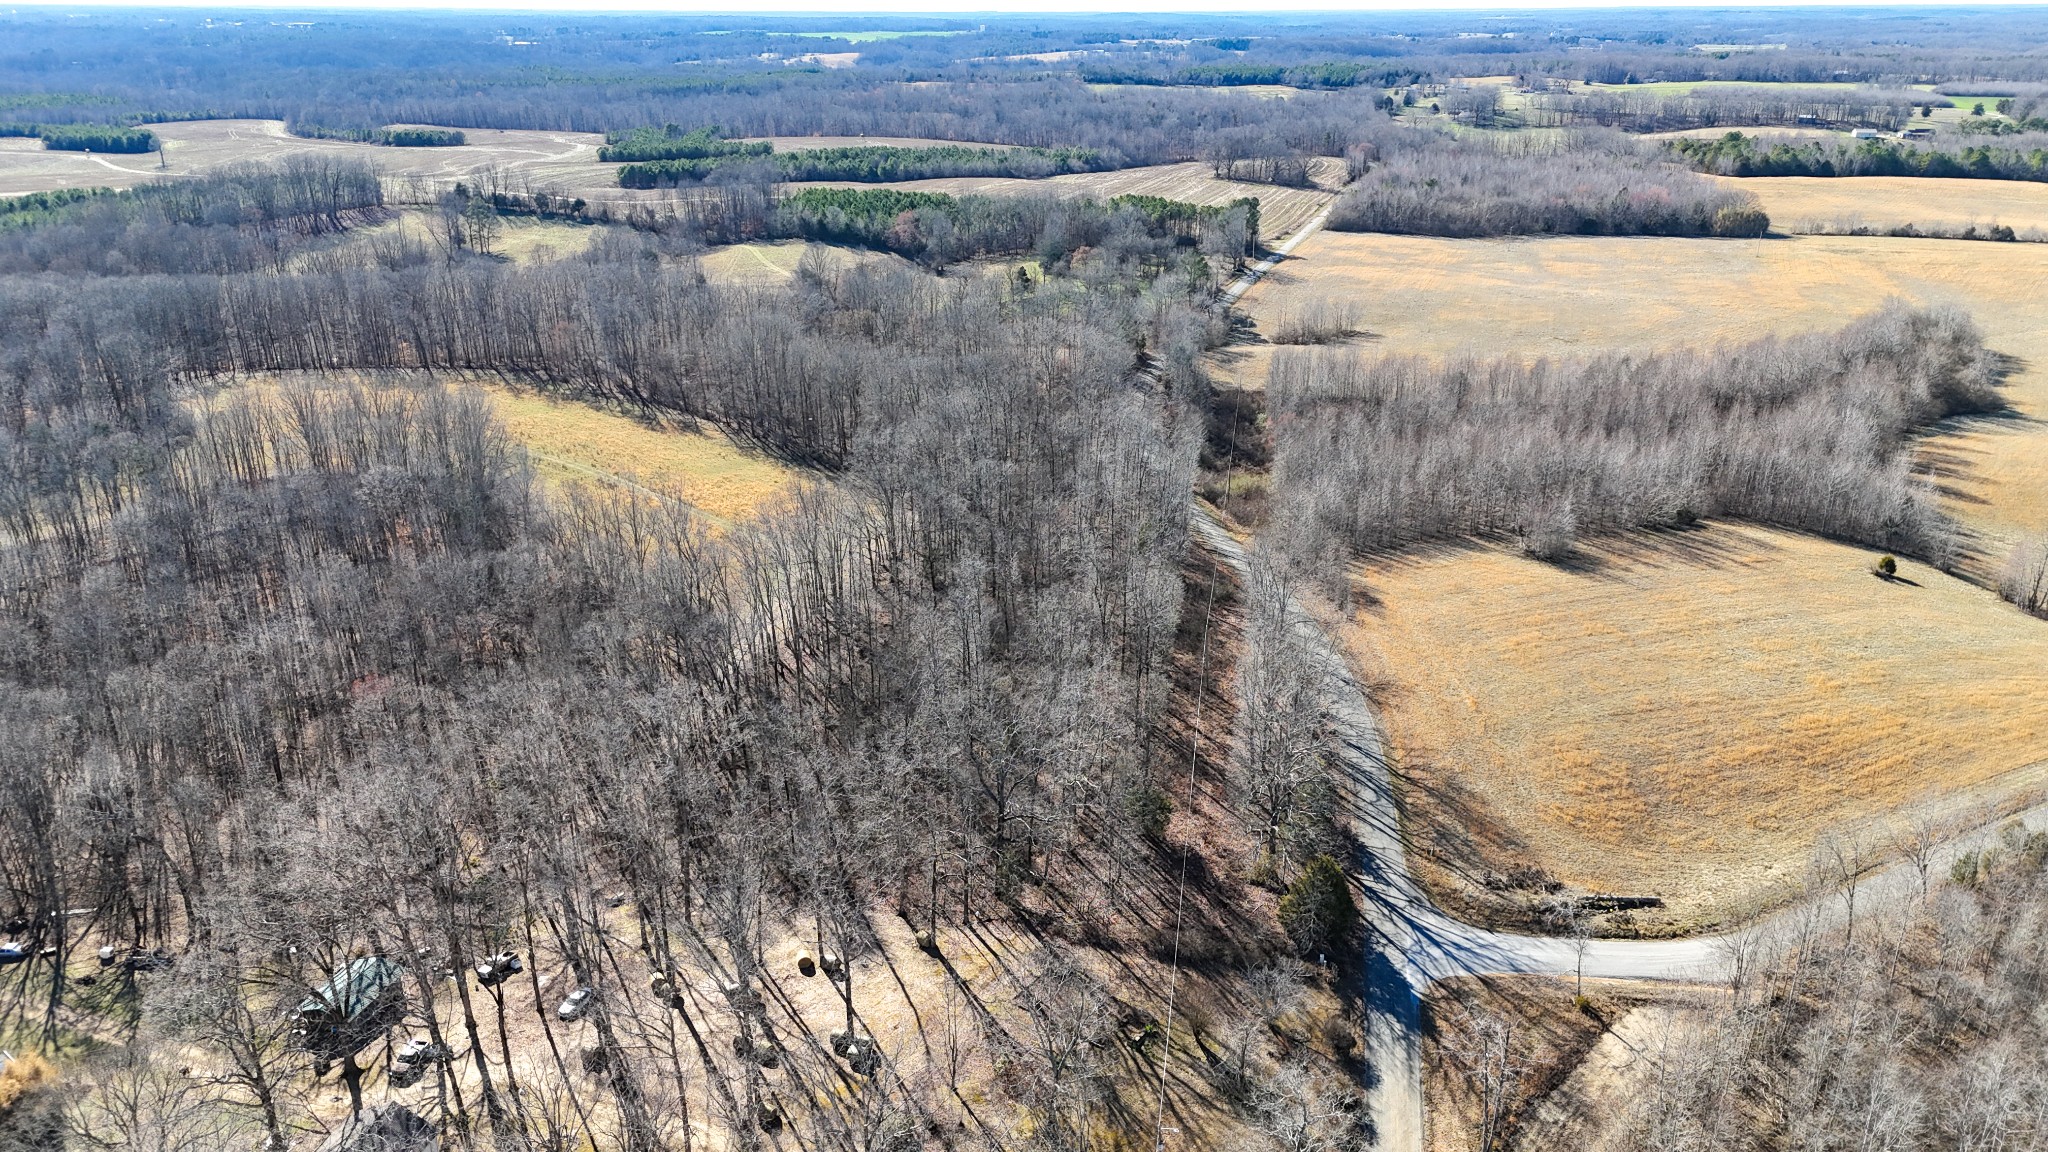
x=1561 y=296
x=772 y=263
x=521 y=239
x=1686 y=714
x=574 y=443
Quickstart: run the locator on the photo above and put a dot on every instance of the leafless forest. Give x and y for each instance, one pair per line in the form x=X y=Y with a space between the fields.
x=1377 y=452
x=1450 y=187
x=359 y=776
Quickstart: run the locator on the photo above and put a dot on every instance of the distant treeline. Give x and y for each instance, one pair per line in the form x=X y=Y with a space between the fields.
x=1461 y=188
x=85 y=137
x=41 y=207
x=1328 y=74
x=390 y=137
x=671 y=142
x=1715 y=106
x=869 y=164
x=1812 y=433
x=1739 y=155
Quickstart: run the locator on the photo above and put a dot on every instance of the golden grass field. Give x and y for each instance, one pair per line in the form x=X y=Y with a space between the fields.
x=571 y=443
x=575 y=443
x=1567 y=295
x=1281 y=210
x=1839 y=204
x=1685 y=714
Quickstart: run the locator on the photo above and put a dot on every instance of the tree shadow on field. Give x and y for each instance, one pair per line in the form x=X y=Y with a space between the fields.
x=1451 y=826
x=1702 y=544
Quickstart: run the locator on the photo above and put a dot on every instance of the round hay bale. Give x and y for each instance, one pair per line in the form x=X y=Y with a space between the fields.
x=928 y=941
x=805 y=964
x=832 y=963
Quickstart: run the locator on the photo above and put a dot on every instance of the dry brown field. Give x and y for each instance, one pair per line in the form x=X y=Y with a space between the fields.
x=1568 y=295
x=1686 y=714
x=1281 y=210
x=559 y=160
x=571 y=443
x=575 y=443
x=1843 y=204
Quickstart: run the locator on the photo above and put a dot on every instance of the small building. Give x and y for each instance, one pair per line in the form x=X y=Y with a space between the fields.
x=1916 y=134
x=363 y=998
x=1864 y=134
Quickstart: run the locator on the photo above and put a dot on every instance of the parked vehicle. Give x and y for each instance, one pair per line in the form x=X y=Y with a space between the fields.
x=577 y=1003
x=411 y=1062
x=492 y=971
x=13 y=954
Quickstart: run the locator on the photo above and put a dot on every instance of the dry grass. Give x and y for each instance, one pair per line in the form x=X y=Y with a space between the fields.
x=574 y=443
x=1281 y=210
x=1839 y=204
x=1686 y=714
x=1583 y=1065
x=1559 y=1045
x=21 y=1075
x=521 y=239
x=772 y=263
x=1560 y=296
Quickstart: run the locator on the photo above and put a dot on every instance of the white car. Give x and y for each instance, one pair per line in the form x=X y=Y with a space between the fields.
x=577 y=1003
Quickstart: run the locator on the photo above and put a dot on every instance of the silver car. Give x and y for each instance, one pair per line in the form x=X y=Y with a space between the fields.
x=577 y=1003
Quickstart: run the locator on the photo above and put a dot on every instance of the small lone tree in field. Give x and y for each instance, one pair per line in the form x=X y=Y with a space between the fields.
x=1318 y=911
x=1887 y=567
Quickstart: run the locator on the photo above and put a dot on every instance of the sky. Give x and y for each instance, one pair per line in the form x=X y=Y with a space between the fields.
x=955 y=7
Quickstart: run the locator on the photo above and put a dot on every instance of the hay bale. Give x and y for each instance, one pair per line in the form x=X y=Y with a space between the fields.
x=832 y=963
x=805 y=964
x=928 y=941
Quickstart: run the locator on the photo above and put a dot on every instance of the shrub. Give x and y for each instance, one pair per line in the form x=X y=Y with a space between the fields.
x=1741 y=220
x=1318 y=911
x=421 y=137
x=1887 y=567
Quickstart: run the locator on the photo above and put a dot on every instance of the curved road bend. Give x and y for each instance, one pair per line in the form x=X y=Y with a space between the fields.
x=1412 y=944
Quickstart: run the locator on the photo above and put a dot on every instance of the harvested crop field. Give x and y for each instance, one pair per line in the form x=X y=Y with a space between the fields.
x=564 y=161
x=1281 y=210
x=1842 y=204
x=1566 y=295
x=1685 y=714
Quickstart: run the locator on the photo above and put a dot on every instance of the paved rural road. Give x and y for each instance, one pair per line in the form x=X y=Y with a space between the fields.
x=1411 y=943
